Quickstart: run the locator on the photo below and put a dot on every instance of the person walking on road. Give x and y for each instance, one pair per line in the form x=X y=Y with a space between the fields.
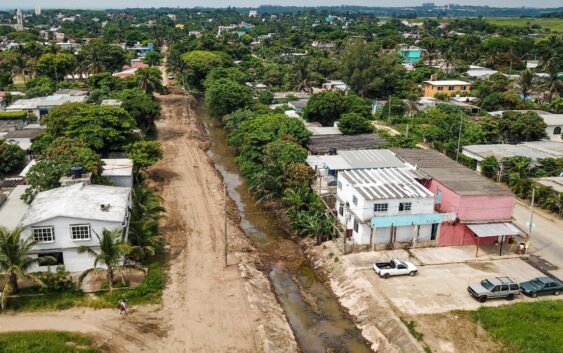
x=122 y=307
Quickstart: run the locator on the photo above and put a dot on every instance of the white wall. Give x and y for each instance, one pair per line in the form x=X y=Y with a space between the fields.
x=549 y=131
x=363 y=211
x=63 y=241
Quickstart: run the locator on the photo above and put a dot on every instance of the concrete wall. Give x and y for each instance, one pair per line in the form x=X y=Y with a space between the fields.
x=363 y=211
x=469 y=209
x=63 y=241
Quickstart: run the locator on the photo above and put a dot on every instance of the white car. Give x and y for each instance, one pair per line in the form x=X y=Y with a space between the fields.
x=394 y=267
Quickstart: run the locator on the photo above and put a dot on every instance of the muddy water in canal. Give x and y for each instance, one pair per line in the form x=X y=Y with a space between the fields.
x=318 y=322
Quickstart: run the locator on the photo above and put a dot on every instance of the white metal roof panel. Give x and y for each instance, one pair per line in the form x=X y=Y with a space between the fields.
x=484 y=230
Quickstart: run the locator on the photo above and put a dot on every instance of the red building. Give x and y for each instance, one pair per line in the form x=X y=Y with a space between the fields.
x=483 y=208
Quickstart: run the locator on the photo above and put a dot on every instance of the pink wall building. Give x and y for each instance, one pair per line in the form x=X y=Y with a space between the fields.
x=474 y=199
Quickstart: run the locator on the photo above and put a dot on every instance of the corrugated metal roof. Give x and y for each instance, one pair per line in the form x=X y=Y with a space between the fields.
x=454 y=176
x=370 y=159
x=384 y=183
x=483 y=230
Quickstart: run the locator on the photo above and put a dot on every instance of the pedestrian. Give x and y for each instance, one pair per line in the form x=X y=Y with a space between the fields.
x=122 y=307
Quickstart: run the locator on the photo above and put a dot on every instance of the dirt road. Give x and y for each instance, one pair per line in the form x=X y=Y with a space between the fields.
x=206 y=307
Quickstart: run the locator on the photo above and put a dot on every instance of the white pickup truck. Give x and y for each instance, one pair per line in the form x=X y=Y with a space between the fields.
x=394 y=267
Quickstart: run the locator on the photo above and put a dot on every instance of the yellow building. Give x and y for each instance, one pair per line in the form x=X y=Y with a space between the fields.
x=449 y=87
x=180 y=26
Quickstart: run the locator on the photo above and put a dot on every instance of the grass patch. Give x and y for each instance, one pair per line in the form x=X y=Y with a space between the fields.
x=554 y=24
x=419 y=336
x=525 y=327
x=45 y=342
x=149 y=292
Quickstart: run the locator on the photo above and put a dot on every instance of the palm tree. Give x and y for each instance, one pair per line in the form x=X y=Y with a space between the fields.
x=315 y=225
x=149 y=79
x=112 y=252
x=296 y=199
x=146 y=211
x=450 y=62
x=14 y=260
x=526 y=83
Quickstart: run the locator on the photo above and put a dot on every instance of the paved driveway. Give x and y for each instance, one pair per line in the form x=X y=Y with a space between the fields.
x=441 y=288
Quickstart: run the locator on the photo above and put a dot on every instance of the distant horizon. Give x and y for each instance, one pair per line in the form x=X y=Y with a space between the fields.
x=219 y=4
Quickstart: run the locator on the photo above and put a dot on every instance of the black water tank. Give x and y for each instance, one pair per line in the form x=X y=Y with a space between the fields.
x=332 y=151
x=76 y=171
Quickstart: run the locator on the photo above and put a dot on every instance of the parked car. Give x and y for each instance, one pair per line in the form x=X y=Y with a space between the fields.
x=498 y=287
x=394 y=267
x=541 y=285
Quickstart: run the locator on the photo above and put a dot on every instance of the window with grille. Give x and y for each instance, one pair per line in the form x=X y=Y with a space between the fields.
x=43 y=234
x=354 y=200
x=356 y=225
x=405 y=206
x=80 y=232
x=380 y=207
x=451 y=88
x=341 y=210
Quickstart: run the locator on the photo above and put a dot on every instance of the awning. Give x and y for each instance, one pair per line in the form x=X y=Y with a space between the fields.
x=484 y=230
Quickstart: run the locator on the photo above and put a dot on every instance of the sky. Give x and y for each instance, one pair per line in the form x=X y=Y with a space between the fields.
x=28 y=4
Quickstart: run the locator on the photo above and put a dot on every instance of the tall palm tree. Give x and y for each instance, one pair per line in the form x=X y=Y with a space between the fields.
x=526 y=83
x=112 y=252
x=149 y=79
x=146 y=211
x=14 y=260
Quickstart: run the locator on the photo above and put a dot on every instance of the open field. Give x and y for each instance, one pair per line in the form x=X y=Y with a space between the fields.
x=525 y=327
x=554 y=24
x=46 y=342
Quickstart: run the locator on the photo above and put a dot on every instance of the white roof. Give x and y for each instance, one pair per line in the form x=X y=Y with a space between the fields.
x=324 y=130
x=49 y=101
x=78 y=201
x=117 y=167
x=13 y=209
x=448 y=83
x=484 y=230
x=481 y=72
x=385 y=183
x=552 y=119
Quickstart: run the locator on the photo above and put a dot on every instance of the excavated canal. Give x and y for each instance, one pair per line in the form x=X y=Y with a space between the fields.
x=318 y=322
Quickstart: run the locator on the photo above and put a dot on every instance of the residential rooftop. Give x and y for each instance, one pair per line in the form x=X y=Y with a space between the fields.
x=322 y=144
x=117 y=167
x=323 y=130
x=451 y=174
x=500 y=151
x=556 y=183
x=384 y=183
x=25 y=133
x=448 y=83
x=356 y=159
x=79 y=201
x=54 y=100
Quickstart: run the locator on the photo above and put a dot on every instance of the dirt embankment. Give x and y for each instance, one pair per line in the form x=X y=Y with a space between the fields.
x=373 y=316
x=209 y=308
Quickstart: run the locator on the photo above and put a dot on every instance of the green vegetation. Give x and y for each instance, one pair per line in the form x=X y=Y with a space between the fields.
x=13 y=115
x=525 y=327
x=12 y=157
x=411 y=326
x=553 y=24
x=46 y=342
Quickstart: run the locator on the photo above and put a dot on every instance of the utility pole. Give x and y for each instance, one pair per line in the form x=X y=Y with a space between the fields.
x=531 y=223
x=459 y=136
x=225 y=234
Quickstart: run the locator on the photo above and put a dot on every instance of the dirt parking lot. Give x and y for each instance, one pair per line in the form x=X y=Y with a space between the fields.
x=441 y=288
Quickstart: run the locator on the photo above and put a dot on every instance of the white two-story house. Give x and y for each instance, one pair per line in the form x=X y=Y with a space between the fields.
x=62 y=220
x=386 y=205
